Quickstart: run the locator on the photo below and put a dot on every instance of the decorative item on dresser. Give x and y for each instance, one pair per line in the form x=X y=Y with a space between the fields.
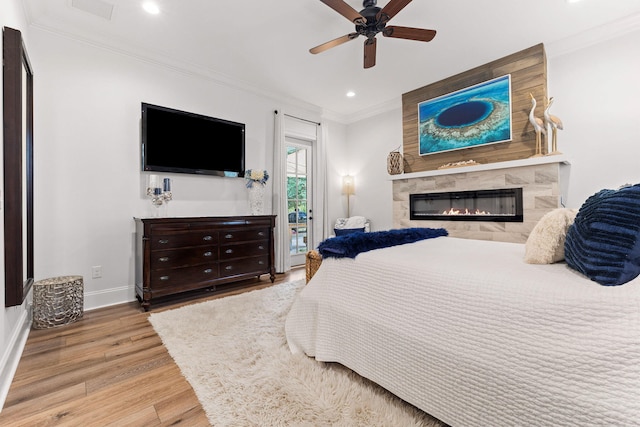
x=256 y=181
x=160 y=196
x=175 y=255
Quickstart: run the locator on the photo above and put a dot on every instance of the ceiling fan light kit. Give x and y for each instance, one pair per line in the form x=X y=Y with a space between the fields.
x=369 y=22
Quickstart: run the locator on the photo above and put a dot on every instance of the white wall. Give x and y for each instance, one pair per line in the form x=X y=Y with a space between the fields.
x=338 y=159
x=370 y=141
x=596 y=95
x=14 y=321
x=88 y=183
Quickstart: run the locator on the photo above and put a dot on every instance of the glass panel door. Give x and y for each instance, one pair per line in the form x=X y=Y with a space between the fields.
x=298 y=198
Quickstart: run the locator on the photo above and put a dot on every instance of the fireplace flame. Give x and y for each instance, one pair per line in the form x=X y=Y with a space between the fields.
x=466 y=211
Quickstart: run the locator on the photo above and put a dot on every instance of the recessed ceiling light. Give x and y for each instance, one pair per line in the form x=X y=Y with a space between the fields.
x=151 y=7
x=351 y=94
x=573 y=1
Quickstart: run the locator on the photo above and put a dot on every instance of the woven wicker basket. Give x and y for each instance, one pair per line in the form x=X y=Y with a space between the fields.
x=313 y=261
x=395 y=163
x=57 y=301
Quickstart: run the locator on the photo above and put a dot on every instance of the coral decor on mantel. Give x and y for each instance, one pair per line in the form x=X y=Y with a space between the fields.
x=459 y=164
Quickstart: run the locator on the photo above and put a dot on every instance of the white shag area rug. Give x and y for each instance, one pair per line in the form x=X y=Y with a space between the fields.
x=234 y=354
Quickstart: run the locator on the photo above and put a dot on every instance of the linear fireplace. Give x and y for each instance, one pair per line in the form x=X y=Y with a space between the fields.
x=502 y=205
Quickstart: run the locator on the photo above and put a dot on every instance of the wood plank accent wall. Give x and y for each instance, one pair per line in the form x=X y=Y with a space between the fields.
x=528 y=69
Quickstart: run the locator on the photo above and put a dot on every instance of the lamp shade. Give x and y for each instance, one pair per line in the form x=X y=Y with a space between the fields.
x=348 y=186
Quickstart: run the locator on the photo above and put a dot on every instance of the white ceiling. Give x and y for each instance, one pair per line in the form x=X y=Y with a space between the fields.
x=264 y=46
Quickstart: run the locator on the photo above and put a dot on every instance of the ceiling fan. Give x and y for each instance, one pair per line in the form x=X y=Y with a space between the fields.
x=369 y=22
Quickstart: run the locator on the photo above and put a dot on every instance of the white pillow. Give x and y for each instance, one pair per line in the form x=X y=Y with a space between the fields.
x=355 y=222
x=351 y=222
x=545 y=244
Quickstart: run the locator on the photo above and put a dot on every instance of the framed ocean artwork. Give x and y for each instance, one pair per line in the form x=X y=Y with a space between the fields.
x=470 y=117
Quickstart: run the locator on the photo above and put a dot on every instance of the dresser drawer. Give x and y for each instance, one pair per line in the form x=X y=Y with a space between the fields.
x=242 y=266
x=178 y=277
x=178 y=240
x=241 y=250
x=243 y=235
x=174 y=258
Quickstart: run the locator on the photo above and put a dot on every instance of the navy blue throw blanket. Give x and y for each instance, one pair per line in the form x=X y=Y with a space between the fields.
x=350 y=245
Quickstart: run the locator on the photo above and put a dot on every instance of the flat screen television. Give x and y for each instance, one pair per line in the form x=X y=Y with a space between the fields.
x=182 y=142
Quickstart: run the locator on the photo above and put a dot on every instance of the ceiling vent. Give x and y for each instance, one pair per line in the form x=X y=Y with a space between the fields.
x=95 y=7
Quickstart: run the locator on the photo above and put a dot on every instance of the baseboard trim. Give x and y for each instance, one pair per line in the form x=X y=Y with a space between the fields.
x=13 y=352
x=107 y=297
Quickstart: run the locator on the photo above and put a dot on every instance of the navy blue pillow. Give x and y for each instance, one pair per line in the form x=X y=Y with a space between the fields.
x=604 y=241
x=343 y=231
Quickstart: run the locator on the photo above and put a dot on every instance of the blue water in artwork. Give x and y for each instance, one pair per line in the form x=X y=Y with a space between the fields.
x=477 y=115
x=465 y=114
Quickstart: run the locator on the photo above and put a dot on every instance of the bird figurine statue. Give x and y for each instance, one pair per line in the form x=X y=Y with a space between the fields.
x=538 y=126
x=554 y=123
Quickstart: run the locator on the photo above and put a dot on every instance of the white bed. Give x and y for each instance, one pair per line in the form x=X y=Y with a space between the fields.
x=469 y=333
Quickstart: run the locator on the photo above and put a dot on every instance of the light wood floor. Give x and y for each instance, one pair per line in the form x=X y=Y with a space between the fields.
x=110 y=368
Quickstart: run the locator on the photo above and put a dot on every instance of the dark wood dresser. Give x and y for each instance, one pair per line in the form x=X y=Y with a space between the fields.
x=175 y=255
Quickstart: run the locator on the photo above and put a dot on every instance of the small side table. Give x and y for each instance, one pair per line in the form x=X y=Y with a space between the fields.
x=57 y=301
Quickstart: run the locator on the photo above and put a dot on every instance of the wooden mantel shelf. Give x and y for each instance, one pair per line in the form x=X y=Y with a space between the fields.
x=561 y=159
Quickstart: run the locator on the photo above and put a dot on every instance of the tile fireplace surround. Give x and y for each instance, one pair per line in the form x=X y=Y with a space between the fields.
x=543 y=181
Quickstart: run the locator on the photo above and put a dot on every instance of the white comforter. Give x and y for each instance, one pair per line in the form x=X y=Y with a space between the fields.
x=468 y=332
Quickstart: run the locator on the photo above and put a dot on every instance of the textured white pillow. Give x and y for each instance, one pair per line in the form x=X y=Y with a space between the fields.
x=545 y=244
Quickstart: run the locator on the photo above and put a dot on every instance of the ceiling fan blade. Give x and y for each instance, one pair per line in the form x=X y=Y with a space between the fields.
x=418 y=34
x=345 y=10
x=333 y=43
x=391 y=9
x=370 y=52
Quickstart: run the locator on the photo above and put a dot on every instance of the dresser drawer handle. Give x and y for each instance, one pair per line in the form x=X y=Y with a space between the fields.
x=261 y=247
x=207 y=238
x=228 y=251
x=261 y=233
x=228 y=267
x=164 y=277
x=163 y=241
x=229 y=236
x=163 y=259
x=208 y=271
x=209 y=253
x=261 y=262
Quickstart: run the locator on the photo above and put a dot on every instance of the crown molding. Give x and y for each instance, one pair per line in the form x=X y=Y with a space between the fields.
x=186 y=68
x=368 y=112
x=593 y=36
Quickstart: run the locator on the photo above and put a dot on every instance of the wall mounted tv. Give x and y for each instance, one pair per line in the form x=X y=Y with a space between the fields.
x=182 y=142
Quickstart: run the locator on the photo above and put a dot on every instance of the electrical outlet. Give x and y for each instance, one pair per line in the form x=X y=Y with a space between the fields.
x=96 y=271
